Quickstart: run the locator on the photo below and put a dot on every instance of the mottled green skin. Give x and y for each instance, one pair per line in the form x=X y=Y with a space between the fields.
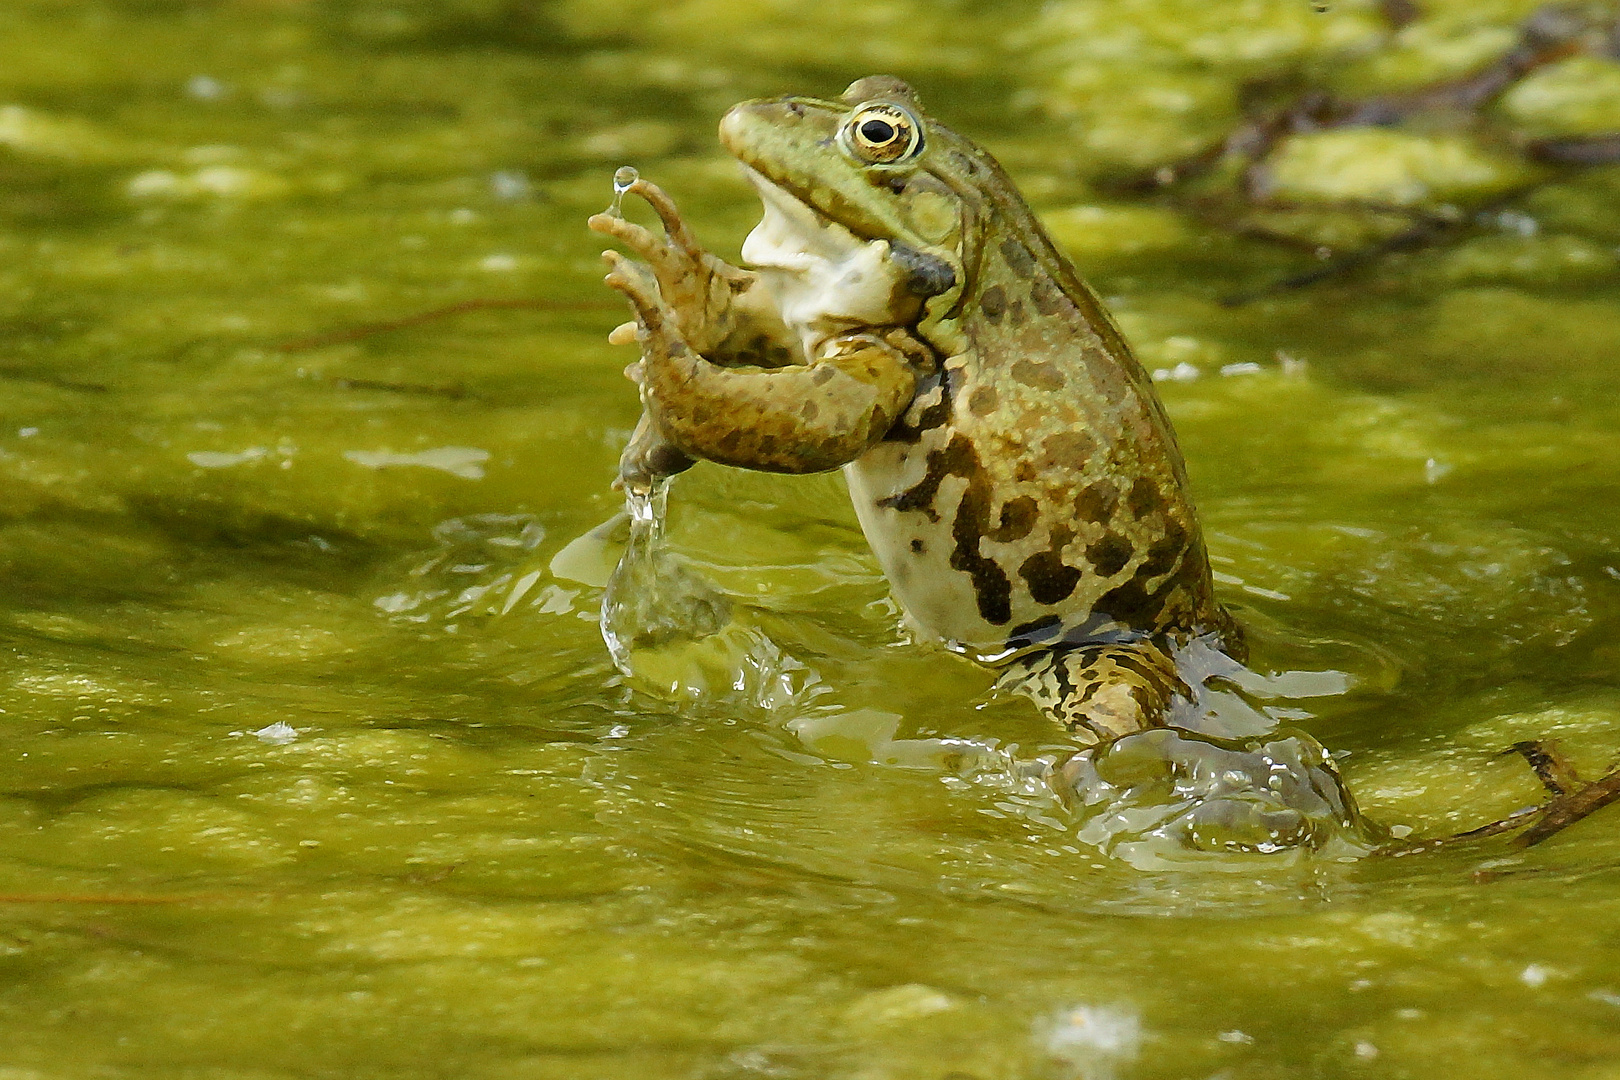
x=1009 y=461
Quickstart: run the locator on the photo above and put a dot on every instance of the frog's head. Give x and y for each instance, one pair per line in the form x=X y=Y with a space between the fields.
x=869 y=171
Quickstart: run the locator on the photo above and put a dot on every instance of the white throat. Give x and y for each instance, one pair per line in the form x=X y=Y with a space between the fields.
x=824 y=277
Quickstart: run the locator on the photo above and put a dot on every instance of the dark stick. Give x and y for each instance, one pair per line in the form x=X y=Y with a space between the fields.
x=1577 y=150
x=1495 y=828
x=1565 y=810
x=1425 y=232
x=1554 y=771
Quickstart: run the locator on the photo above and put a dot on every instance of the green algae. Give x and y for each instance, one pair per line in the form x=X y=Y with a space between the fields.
x=315 y=767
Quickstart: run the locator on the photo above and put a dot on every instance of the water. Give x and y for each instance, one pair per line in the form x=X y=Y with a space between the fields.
x=316 y=764
x=654 y=600
x=623 y=177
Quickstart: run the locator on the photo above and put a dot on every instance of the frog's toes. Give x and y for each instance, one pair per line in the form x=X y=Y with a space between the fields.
x=679 y=235
x=633 y=280
x=642 y=241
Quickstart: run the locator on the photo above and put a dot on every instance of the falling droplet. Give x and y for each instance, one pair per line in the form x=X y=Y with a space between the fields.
x=623 y=177
x=1321 y=7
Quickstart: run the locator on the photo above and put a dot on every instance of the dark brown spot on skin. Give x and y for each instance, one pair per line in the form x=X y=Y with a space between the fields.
x=932 y=416
x=1163 y=552
x=809 y=410
x=993 y=303
x=982 y=402
x=1067 y=450
x=1046 y=297
x=1015 y=313
x=918 y=547
x=1109 y=555
x=1018 y=518
x=822 y=375
x=1133 y=604
x=1096 y=503
x=1019 y=260
x=1025 y=471
x=991 y=586
x=1145 y=498
x=1040 y=376
x=1129 y=604
x=1049 y=578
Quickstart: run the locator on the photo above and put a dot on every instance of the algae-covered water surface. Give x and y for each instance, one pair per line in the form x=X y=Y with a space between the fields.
x=315 y=763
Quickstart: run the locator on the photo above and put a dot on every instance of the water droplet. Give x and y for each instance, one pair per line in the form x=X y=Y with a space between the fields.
x=623 y=177
x=1321 y=7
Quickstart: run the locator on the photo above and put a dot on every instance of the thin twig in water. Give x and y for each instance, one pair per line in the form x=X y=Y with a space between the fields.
x=1554 y=771
x=1572 y=799
x=1425 y=232
x=1565 y=810
x=455 y=391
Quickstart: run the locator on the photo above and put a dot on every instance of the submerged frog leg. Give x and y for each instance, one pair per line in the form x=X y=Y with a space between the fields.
x=1100 y=692
x=800 y=419
x=721 y=311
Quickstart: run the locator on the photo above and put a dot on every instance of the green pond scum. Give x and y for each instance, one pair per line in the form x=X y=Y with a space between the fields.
x=315 y=764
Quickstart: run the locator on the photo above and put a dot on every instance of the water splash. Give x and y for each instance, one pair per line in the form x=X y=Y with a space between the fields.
x=623 y=177
x=653 y=599
x=1144 y=796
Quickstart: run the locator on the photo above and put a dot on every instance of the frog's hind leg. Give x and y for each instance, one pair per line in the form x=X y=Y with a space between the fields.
x=1101 y=691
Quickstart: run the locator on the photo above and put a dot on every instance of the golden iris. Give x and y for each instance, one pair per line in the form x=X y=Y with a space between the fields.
x=879 y=133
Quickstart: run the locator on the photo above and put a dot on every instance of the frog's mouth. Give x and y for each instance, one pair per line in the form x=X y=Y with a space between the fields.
x=794 y=236
x=824 y=277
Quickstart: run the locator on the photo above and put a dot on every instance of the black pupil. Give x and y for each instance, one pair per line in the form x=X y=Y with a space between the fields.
x=877 y=131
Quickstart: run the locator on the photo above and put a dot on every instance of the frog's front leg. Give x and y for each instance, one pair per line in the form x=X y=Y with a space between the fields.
x=799 y=419
x=1100 y=691
x=649 y=457
x=720 y=311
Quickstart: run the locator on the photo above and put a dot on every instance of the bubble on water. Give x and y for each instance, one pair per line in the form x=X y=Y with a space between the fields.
x=1094 y=1039
x=279 y=733
x=623 y=177
x=205 y=88
x=510 y=185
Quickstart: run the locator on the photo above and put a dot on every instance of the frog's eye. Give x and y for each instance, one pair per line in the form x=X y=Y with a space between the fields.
x=882 y=134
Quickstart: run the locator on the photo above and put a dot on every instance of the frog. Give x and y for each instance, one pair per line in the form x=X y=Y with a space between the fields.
x=902 y=315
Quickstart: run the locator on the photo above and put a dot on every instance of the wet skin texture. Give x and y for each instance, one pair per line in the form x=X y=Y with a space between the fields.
x=907 y=319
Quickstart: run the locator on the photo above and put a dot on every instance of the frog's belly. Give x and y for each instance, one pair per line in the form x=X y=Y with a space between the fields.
x=915 y=545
